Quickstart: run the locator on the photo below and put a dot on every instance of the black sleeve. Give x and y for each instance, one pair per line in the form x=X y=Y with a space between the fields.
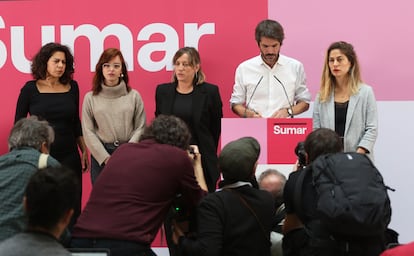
x=23 y=102
x=76 y=122
x=288 y=192
x=157 y=101
x=216 y=114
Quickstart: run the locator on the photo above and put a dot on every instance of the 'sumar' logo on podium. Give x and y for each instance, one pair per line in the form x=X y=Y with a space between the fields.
x=290 y=128
x=278 y=137
x=283 y=136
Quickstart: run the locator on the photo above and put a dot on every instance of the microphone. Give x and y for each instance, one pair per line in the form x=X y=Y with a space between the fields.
x=247 y=105
x=287 y=97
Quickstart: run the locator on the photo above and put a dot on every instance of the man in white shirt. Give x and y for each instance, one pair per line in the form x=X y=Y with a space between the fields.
x=270 y=85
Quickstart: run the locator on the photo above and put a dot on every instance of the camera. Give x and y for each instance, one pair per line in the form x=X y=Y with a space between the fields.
x=182 y=214
x=301 y=154
x=181 y=211
x=191 y=150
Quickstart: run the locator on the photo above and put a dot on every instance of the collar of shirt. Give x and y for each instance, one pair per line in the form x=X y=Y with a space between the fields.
x=236 y=185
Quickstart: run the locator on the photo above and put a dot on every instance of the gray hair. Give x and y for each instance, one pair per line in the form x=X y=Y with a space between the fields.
x=282 y=177
x=268 y=172
x=31 y=132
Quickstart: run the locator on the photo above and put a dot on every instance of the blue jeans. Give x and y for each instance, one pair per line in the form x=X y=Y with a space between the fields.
x=116 y=247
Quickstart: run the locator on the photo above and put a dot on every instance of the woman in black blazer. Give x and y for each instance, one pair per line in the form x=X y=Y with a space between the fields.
x=198 y=103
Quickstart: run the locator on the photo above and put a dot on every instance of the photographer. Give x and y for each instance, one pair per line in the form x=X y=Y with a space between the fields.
x=133 y=194
x=295 y=241
x=236 y=219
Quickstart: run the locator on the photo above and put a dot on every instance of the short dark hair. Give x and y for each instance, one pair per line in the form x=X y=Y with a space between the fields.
x=50 y=193
x=271 y=29
x=168 y=129
x=322 y=141
x=39 y=62
x=30 y=132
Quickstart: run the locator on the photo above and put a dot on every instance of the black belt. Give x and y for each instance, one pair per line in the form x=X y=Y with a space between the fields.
x=113 y=144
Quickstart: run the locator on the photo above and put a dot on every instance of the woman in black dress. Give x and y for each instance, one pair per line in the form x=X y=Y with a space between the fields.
x=54 y=96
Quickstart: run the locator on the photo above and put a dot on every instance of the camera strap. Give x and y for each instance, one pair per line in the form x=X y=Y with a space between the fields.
x=245 y=203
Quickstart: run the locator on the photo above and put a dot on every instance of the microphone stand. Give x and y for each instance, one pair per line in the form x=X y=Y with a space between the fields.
x=247 y=105
x=287 y=97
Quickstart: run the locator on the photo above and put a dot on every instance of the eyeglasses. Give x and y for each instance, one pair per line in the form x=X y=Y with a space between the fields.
x=114 y=65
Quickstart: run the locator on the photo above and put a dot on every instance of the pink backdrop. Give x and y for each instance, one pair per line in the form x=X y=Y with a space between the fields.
x=148 y=34
x=381 y=32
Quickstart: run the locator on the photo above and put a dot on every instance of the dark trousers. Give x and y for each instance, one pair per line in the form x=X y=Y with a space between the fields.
x=116 y=247
x=96 y=168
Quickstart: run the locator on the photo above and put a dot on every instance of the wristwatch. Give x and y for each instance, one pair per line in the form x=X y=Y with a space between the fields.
x=290 y=112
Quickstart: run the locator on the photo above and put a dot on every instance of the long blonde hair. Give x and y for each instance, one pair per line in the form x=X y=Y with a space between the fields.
x=328 y=81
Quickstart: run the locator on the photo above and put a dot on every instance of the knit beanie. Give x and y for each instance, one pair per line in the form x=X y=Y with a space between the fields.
x=238 y=158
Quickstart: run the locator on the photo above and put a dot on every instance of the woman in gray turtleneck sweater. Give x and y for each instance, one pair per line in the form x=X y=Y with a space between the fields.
x=112 y=113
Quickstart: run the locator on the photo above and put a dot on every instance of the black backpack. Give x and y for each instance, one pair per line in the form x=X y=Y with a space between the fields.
x=352 y=199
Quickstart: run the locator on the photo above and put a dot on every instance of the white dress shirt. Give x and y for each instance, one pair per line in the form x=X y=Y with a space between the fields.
x=256 y=85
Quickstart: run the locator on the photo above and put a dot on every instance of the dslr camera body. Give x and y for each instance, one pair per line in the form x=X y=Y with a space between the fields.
x=301 y=154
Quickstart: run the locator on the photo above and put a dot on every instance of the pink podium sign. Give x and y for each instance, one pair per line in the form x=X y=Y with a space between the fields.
x=277 y=137
x=282 y=137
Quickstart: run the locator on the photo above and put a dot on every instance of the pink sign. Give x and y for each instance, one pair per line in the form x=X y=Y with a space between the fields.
x=277 y=137
x=147 y=32
x=282 y=137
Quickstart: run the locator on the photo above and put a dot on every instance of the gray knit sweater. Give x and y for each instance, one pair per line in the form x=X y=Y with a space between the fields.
x=112 y=115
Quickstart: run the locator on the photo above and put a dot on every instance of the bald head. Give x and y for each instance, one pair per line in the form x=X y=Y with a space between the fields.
x=273 y=181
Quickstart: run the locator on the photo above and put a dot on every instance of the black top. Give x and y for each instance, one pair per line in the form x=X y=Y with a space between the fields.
x=61 y=110
x=341 y=109
x=182 y=108
x=308 y=199
x=226 y=225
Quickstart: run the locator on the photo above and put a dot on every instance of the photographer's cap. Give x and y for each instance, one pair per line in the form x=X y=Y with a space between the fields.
x=238 y=158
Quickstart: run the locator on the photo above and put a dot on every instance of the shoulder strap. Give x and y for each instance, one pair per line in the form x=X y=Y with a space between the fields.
x=251 y=210
x=42 y=161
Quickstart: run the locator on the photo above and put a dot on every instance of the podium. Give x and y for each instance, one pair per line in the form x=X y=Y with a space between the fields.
x=278 y=137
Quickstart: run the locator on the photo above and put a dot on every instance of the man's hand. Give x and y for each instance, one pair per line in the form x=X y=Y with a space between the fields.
x=195 y=156
x=281 y=113
x=177 y=232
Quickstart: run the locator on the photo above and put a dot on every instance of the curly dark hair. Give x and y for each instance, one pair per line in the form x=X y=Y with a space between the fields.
x=39 y=62
x=168 y=130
